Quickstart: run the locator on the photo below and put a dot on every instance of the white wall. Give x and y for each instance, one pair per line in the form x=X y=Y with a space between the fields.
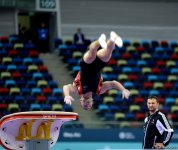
x=137 y=20
x=7 y=22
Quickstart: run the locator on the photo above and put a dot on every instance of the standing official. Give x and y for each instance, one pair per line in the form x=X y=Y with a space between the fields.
x=157 y=129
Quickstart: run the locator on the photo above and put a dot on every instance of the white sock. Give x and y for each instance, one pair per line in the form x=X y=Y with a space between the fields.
x=119 y=41
x=102 y=41
x=115 y=38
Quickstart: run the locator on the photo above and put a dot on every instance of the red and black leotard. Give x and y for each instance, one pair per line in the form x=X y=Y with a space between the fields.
x=89 y=77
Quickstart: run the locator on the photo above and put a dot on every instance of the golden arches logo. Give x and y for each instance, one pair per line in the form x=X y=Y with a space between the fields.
x=43 y=131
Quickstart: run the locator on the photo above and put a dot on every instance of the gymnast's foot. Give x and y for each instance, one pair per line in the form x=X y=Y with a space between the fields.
x=116 y=38
x=102 y=41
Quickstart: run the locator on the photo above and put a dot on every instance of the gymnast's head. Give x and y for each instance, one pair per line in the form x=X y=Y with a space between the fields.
x=86 y=101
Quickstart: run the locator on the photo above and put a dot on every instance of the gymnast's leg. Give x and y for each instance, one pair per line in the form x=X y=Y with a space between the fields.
x=90 y=55
x=106 y=53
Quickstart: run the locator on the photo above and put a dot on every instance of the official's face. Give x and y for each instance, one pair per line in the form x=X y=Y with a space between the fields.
x=152 y=104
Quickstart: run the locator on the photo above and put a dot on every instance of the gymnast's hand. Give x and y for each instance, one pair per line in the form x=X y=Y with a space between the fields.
x=68 y=100
x=125 y=94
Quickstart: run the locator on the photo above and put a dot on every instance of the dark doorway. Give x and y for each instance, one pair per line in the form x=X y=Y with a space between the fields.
x=39 y=23
x=39 y=28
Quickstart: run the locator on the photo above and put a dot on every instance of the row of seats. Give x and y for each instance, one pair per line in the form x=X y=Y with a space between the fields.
x=18 y=60
x=32 y=91
x=14 y=52
x=15 y=107
x=37 y=81
x=25 y=82
x=28 y=98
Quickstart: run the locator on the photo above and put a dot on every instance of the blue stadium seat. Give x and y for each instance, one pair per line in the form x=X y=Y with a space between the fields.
x=144 y=108
x=75 y=69
x=152 y=78
x=36 y=91
x=2 y=83
x=144 y=92
x=112 y=76
x=124 y=108
x=25 y=91
x=30 y=99
x=130 y=116
x=24 y=107
x=20 y=99
x=27 y=75
x=128 y=84
x=159 y=50
x=52 y=84
x=141 y=63
x=9 y=98
x=47 y=76
x=17 y=60
x=3 y=68
x=102 y=109
x=176 y=85
x=10 y=83
x=145 y=43
x=132 y=63
x=46 y=107
x=173 y=93
x=166 y=109
x=1 y=46
x=57 y=42
x=68 y=108
x=118 y=99
x=8 y=46
x=27 y=61
x=109 y=116
x=174 y=71
x=22 y=68
x=127 y=70
x=72 y=62
x=23 y=53
x=173 y=44
x=21 y=83
x=162 y=77
x=169 y=101
x=52 y=99
x=3 y=53
x=35 y=107
x=11 y=68
x=29 y=46
x=31 y=83
x=114 y=108
x=154 y=92
x=164 y=93
x=37 y=76
x=57 y=92
x=38 y=61
x=126 y=43
x=136 y=70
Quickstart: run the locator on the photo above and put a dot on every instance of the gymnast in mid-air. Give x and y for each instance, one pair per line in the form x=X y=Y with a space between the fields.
x=89 y=79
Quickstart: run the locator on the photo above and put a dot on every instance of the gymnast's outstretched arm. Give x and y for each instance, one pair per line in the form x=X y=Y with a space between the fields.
x=68 y=90
x=107 y=85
